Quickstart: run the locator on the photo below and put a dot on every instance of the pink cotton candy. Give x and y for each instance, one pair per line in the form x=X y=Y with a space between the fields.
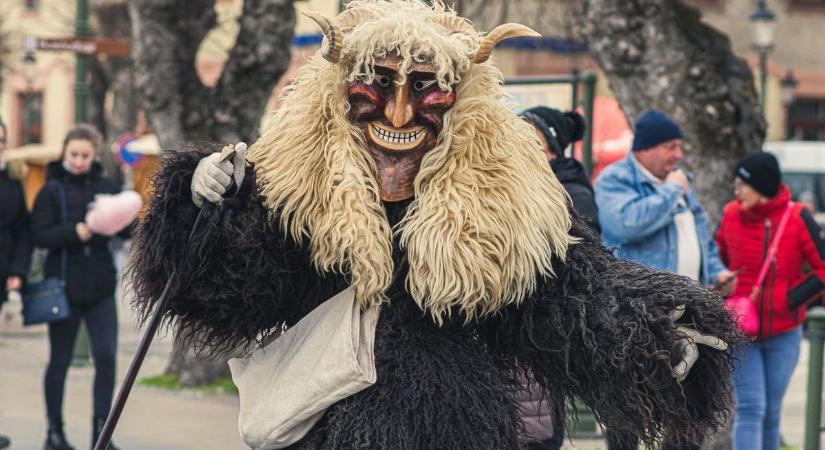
x=109 y=214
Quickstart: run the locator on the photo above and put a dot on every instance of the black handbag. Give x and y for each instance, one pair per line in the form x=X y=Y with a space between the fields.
x=46 y=300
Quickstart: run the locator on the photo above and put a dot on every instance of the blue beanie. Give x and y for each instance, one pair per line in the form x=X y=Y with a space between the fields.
x=653 y=128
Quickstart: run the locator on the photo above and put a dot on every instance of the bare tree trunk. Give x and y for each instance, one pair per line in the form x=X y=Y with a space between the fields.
x=658 y=54
x=166 y=35
x=111 y=76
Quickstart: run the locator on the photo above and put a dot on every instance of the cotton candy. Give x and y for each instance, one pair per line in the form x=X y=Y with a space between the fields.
x=109 y=214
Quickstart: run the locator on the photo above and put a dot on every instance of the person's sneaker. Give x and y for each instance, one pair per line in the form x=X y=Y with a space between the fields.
x=5 y=442
x=97 y=428
x=56 y=440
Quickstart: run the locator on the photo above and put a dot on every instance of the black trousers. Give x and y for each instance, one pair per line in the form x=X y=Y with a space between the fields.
x=619 y=441
x=101 y=322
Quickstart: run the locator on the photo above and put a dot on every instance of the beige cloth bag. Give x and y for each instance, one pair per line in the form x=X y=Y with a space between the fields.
x=286 y=386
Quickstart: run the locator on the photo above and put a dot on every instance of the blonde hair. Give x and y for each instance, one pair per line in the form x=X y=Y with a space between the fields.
x=488 y=215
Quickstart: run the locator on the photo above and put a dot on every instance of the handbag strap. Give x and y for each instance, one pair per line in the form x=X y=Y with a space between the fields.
x=63 y=219
x=773 y=249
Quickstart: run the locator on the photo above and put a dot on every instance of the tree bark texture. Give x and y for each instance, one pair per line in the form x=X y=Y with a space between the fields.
x=658 y=54
x=180 y=108
x=112 y=76
x=166 y=35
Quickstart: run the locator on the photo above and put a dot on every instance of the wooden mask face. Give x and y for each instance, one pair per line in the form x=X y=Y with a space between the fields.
x=401 y=121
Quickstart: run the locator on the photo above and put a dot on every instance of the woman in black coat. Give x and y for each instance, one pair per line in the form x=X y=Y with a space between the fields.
x=15 y=248
x=90 y=276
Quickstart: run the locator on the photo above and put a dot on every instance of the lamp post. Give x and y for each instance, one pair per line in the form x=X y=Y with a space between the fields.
x=81 y=90
x=788 y=83
x=82 y=353
x=764 y=22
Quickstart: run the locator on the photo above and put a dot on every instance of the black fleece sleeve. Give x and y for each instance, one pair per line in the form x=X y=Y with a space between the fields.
x=599 y=330
x=19 y=227
x=47 y=229
x=237 y=273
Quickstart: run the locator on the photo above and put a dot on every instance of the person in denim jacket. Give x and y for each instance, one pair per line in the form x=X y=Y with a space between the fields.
x=649 y=214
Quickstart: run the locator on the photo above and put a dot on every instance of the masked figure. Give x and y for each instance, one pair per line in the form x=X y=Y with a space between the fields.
x=393 y=166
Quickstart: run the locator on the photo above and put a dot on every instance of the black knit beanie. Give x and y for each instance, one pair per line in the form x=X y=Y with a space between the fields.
x=761 y=172
x=559 y=128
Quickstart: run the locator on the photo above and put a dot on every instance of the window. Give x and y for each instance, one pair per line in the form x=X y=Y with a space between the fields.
x=31 y=5
x=807 y=119
x=31 y=118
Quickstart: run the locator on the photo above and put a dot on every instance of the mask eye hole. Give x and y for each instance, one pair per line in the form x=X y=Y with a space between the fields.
x=383 y=80
x=421 y=85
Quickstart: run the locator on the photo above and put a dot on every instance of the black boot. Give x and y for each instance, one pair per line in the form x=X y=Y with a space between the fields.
x=97 y=428
x=55 y=439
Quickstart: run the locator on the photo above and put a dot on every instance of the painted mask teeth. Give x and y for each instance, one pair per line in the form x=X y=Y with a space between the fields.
x=397 y=137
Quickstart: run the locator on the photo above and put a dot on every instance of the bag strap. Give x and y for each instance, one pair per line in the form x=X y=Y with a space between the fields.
x=63 y=219
x=772 y=250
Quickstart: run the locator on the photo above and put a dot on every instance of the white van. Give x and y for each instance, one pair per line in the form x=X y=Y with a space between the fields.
x=803 y=169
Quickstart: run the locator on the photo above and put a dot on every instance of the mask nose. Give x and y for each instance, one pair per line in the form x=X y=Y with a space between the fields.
x=399 y=110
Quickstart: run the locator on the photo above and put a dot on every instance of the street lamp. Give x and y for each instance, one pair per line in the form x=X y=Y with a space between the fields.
x=788 y=84
x=764 y=22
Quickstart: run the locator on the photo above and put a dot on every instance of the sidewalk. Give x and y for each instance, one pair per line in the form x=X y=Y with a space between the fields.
x=162 y=420
x=152 y=420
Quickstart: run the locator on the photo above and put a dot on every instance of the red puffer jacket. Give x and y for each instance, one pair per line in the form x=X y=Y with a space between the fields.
x=742 y=240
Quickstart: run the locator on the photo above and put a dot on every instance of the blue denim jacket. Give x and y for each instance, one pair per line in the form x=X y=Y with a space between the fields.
x=637 y=219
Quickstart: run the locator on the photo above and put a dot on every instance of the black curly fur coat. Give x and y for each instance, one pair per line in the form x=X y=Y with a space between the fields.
x=599 y=331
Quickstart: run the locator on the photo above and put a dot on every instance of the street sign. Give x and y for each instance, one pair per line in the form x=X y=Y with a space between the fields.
x=83 y=46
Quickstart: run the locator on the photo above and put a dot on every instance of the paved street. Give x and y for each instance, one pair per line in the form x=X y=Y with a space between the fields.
x=153 y=419
x=161 y=420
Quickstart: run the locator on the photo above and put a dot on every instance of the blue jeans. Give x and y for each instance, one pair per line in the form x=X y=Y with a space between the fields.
x=763 y=371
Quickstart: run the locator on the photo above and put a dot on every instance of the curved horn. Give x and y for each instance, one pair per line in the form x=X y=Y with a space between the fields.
x=498 y=34
x=333 y=33
x=350 y=18
x=453 y=23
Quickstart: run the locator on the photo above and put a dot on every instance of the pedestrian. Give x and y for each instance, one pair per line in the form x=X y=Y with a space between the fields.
x=748 y=229
x=649 y=213
x=556 y=130
x=15 y=249
x=544 y=426
x=90 y=276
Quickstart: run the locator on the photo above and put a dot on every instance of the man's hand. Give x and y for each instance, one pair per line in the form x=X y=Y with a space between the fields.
x=678 y=177
x=83 y=231
x=214 y=174
x=14 y=283
x=687 y=343
x=726 y=283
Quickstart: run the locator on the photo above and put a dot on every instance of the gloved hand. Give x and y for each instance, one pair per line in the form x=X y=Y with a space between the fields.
x=687 y=344
x=215 y=173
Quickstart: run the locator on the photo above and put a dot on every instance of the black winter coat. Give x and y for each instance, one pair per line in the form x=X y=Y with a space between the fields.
x=90 y=269
x=572 y=176
x=15 y=245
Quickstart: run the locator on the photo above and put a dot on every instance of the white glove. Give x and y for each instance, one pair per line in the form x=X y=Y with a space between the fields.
x=215 y=173
x=687 y=344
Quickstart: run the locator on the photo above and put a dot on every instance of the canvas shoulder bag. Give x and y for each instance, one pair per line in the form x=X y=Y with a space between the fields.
x=286 y=386
x=46 y=301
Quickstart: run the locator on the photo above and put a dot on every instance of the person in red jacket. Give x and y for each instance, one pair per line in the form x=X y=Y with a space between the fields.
x=748 y=227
